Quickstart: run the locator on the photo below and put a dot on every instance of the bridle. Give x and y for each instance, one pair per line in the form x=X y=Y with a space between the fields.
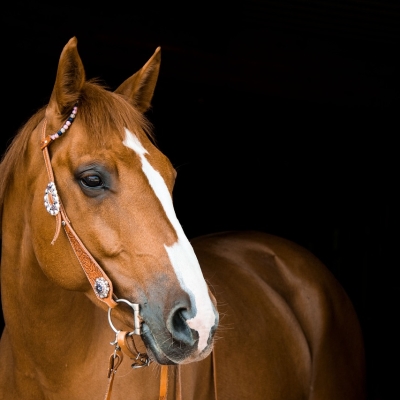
x=98 y=279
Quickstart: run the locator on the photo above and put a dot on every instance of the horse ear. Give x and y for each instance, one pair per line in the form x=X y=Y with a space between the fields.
x=69 y=81
x=139 y=88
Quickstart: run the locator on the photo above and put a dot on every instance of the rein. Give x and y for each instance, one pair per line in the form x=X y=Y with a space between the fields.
x=98 y=279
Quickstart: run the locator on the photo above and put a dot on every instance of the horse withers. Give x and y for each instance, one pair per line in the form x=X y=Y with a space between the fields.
x=104 y=296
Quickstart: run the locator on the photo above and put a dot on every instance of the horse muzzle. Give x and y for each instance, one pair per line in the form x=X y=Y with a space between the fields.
x=173 y=341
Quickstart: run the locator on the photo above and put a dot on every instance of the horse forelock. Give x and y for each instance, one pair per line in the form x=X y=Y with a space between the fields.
x=102 y=112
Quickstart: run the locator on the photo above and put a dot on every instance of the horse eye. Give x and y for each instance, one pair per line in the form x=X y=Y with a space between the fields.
x=92 y=181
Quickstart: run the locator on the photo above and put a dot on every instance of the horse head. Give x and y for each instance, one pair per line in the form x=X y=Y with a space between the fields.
x=116 y=187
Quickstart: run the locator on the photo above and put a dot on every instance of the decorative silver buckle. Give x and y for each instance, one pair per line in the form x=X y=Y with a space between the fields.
x=51 y=201
x=102 y=287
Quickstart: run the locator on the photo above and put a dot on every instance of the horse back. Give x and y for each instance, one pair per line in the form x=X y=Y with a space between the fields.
x=288 y=330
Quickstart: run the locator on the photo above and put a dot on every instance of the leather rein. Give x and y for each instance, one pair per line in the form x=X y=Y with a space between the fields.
x=98 y=279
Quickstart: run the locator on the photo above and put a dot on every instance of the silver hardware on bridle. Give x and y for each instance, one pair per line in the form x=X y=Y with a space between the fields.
x=102 y=287
x=139 y=359
x=51 y=201
x=136 y=318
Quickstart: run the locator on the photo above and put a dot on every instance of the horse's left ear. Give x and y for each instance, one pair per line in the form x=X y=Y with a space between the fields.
x=69 y=81
x=139 y=88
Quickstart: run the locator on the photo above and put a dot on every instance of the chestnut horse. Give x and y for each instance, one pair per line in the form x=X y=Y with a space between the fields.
x=93 y=254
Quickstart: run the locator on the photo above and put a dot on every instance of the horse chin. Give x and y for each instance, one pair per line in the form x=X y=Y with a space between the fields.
x=157 y=354
x=153 y=349
x=197 y=357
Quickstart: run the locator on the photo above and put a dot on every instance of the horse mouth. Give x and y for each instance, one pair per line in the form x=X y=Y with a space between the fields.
x=154 y=350
x=179 y=354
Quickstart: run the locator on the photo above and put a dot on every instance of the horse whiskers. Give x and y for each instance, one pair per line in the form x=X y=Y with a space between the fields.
x=226 y=328
x=210 y=285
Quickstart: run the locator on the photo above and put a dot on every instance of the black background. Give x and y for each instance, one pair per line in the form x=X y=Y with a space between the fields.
x=279 y=116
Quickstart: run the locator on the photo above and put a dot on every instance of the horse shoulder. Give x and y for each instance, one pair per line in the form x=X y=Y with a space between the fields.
x=264 y=283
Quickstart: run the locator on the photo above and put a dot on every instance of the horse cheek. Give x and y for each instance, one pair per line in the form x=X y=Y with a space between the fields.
x=57 y=261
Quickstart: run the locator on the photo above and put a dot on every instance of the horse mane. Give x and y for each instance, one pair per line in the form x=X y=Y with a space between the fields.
x=100 y=111
x=13 y=153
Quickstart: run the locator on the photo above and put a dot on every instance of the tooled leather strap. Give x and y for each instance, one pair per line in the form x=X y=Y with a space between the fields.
x=98 y=279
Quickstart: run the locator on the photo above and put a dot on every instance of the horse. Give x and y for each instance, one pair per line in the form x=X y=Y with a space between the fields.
x=104 y=296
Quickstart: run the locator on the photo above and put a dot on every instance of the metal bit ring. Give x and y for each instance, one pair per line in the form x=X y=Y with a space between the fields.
x=136 y=319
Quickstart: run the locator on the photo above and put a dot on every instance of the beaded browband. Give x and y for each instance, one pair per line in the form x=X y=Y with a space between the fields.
x=50 y=138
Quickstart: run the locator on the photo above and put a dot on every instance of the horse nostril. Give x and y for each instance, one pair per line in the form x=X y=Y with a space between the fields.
x=180 y=329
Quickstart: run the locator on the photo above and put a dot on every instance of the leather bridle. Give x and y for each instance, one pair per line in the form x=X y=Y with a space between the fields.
x=98 y=279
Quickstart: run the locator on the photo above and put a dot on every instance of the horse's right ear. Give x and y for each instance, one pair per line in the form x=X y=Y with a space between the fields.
x=69 y=81
x=139 y=88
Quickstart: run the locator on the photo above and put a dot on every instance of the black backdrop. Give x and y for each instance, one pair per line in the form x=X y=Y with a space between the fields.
x=278 y=116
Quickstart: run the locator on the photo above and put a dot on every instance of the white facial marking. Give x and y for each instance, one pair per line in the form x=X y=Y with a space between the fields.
x=181 y=253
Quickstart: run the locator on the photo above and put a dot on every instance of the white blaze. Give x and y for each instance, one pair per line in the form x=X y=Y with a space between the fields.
x=181 y=253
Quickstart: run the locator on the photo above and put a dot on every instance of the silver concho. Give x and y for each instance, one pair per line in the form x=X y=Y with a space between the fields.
x=102 y=287
x=51 y=201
